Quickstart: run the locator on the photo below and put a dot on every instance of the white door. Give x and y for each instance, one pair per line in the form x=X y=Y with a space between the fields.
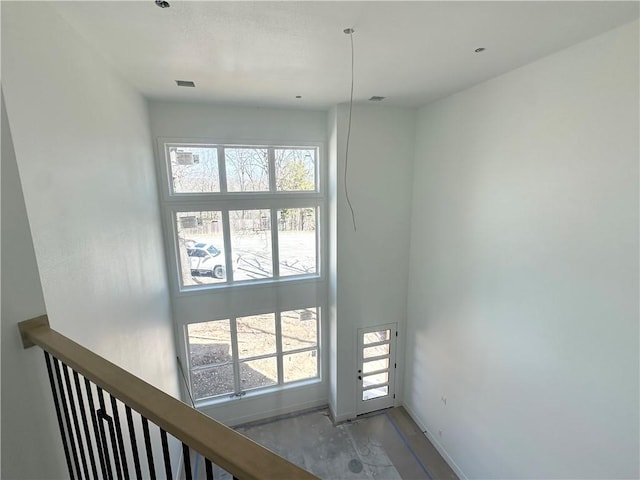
x=376 y=367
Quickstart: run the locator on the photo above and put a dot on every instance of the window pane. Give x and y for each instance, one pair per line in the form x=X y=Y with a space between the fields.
x=212 y=381
x=247 y=169
x=376 y=379
x=194 y=169
x=256 y=335
x=374 y=365
x=295 y=169
x=251 y=244
x=375 y=393
x=258 y=373
x=299 y=329
x=375 y=337
x=209 y=343
x=300 y=366
x=201 y=247
x=375 y=351
x=297 y=241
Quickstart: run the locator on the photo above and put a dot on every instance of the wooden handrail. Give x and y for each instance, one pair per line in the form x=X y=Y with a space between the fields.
x=234 y=452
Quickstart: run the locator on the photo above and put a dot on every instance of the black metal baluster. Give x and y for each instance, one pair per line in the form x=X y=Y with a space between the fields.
x=58 y=414
x=208 y=468
x=112 y=434
x=134 y=443
x=116 y=421
x=76 y=423
x=186 y=459
x=65 y=411
x=85 y=424
x=165 y=454
x=103 y=435
x=96 y=430
x=147 y=444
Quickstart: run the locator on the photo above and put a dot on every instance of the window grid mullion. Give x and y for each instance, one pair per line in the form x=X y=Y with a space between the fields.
x=279 y=349
x=272 y=170
x=300 y=350
x=318 y=232
x=235 y=355
x=228 y=253
x=222 y=169
x=275 y=249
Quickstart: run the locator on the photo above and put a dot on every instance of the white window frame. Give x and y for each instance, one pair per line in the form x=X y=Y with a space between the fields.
x=226 y=300
x=279 y=356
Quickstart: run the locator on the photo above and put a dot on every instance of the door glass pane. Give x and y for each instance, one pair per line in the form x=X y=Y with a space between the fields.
x=247 y=169
x=194 y=169
x=300 y=366
x=295 y=169
x=299 y=329
x=256 y=335
x=212 y=381
x=376 y=351
x=200 y=247
x=376 y=392
x=376 y=379
x=297 y=241
x=251 y=244
x=209 y=343
x=375 y=337
x=375 y=365
x=258 y=373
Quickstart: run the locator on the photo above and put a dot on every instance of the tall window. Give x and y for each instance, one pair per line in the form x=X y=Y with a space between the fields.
x=233 y=356
x=242 y=214
x=238 y=216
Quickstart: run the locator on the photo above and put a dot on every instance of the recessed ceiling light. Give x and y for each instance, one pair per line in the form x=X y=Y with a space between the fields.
x=162 y=3
x=479 y=49
x=185 y=83
x=376 y=99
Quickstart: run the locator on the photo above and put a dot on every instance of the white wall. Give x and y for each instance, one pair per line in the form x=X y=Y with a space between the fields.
x=234 y=124
x=28 y=420
x=371 y=263
x=523 y=303
x=226 y=123
x=84 y=155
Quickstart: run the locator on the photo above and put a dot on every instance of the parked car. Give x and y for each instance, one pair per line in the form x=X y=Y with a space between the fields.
x=206 y=260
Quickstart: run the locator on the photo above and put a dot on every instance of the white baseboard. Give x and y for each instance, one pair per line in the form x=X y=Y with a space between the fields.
x=341 y=418
x=447 y=458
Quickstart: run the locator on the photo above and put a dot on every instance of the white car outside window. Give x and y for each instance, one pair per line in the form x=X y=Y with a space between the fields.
x=206 y=261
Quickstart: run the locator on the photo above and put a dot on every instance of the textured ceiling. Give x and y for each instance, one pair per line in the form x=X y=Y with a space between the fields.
x=266 y=53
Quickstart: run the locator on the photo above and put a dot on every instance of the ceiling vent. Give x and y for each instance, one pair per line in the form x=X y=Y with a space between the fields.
x=376 y=99
x=185 y=83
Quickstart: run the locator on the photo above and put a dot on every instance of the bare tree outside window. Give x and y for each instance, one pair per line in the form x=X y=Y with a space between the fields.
x=247 y=169
x=295 y=169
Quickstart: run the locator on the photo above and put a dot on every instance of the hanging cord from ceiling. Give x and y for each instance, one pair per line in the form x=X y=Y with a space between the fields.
x=349 y=31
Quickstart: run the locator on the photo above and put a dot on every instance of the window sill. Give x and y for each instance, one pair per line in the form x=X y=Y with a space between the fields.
x=256 y=393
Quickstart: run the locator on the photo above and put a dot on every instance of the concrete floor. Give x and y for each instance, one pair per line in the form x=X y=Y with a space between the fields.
x=385 y=445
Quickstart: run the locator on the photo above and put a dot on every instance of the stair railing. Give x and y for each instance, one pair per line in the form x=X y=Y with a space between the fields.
x=99 y=404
